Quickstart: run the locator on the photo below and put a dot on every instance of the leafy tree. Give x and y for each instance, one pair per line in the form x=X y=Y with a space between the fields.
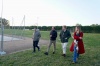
x=5 y=22
x=95 y=25
x=78 y=24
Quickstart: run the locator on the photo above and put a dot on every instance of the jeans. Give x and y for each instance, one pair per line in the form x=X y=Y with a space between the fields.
x=75 y=55
x=35 y=44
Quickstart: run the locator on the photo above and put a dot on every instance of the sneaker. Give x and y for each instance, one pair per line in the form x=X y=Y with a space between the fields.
x=53 y=52
x=74 y=62
x=64 y=55
x=46 y=53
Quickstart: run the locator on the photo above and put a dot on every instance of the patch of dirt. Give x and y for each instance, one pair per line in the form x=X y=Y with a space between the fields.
x=19 y=45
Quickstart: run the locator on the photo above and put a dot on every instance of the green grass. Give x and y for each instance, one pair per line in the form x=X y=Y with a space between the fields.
x=26 y=33
x=26 y=58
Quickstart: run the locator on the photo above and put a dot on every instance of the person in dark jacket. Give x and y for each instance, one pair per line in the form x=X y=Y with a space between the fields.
x=53 y=36
x=64 y=36
x=36 y=36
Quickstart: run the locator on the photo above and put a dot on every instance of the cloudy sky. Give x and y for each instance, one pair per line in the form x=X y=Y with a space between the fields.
x=51 y=12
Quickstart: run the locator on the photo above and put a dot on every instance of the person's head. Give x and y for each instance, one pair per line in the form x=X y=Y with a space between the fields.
x=64 y=27
x=77 y=28
x=53 y=28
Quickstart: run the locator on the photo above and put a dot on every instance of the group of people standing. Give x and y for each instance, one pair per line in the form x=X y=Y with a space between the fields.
x=77 y=46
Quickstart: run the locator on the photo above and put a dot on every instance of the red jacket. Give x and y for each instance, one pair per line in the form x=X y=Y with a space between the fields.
x=80 y=43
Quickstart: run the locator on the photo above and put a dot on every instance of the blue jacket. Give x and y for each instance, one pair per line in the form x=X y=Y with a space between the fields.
x=54 y=35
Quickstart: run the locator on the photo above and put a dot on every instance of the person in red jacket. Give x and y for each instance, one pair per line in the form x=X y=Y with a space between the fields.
x=79 y=47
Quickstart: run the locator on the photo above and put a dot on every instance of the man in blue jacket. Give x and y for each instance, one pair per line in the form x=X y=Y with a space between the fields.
x=64 y=36
x=53 y=36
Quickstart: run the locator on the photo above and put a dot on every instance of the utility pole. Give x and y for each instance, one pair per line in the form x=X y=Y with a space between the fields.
x=2 y=31
x=23 y=28
x=12 y=28
x=37 y=22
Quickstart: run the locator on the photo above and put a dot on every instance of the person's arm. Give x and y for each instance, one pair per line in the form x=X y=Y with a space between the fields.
x=33 y=36
x=51 y=34
x=69 y=35
x=56 y=34
x=39 y=35
x=81 y=35
x=72 y=36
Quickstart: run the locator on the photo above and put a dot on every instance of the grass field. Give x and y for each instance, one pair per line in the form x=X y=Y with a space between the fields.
x=27 y=58
x=26 y=33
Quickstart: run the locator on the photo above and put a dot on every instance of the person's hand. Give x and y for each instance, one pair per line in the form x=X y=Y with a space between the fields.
x=80 y=37
x=50 y=35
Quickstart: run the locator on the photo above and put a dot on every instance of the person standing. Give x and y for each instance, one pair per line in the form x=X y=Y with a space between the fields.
x=53 y=36
x=64 y=37
x=77 y=46
x=36 y=37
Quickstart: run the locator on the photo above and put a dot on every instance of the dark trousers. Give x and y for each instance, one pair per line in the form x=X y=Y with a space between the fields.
x=35 y=44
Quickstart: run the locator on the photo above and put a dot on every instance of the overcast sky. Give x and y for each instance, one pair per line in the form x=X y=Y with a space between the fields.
x=52 y=12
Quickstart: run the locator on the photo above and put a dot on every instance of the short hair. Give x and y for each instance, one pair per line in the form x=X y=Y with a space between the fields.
x=53 y=27
x=65 y=26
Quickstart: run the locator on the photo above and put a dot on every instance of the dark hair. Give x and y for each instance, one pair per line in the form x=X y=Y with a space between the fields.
x=53 y=27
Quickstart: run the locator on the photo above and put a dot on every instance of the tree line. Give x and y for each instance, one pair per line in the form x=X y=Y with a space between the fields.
x=85 y=29
x=94 y=28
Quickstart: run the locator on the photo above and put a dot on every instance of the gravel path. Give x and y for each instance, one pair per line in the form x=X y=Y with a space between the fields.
x=19 y=45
